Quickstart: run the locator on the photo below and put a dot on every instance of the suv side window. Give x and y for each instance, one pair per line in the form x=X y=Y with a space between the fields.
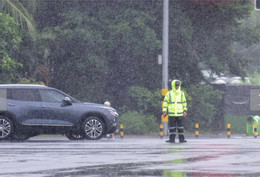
x=48 y=95
x=23 y=94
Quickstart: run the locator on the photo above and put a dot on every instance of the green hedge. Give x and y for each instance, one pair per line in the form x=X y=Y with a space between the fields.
x=138 y=124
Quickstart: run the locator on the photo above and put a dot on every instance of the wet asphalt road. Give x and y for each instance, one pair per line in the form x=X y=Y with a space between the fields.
x=46 y=156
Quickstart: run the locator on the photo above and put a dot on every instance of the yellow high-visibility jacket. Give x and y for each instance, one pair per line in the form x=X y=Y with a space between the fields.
x=174 y=102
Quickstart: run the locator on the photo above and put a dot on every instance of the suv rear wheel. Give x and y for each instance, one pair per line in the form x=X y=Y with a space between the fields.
x=94 y=128
x=6 y=128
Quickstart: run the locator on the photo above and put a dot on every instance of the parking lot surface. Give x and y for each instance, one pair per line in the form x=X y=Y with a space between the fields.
x=45 y=156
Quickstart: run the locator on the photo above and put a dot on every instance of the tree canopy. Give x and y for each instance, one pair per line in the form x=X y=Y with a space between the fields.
x=9 y=42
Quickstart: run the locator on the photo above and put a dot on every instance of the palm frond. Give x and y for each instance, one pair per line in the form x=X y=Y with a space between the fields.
x=19 y=13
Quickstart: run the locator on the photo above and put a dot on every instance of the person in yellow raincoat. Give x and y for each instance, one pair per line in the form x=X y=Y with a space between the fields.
x=175 y=106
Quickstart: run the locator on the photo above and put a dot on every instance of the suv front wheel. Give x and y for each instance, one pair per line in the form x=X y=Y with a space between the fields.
x=94 y=128
x=6 y=128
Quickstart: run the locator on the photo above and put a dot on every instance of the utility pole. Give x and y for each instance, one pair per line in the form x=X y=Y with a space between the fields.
x=165 y=59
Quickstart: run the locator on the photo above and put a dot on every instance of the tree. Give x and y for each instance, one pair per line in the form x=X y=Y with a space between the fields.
x=134 y=60
x=252 y=52
x=31 y=50
x=205 y=33
x=9 y=42
x=101 y=46
x=76 y=58
x=20 y=14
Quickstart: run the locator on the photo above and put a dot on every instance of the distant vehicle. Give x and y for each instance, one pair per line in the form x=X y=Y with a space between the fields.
x=30 y=110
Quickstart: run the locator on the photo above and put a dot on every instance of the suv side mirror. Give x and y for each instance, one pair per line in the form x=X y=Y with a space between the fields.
x=67 y=101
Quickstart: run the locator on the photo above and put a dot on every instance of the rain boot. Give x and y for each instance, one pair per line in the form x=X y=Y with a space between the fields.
x=171 y=139
x=182 y=139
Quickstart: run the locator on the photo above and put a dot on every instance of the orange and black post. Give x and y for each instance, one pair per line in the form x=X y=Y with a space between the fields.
x=164 y=120
x=255 y=130
x=121 y=131
x=228 y=130
x=161 y=131
x=197 y=130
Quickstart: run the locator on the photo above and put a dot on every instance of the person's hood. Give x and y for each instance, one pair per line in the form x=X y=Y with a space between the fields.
x=173 y=85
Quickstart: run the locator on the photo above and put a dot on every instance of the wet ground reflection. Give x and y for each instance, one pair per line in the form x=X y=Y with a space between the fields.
x=130 y=169
x=142 y=157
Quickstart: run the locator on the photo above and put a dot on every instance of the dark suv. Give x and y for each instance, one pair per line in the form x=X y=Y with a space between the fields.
x=30 y=110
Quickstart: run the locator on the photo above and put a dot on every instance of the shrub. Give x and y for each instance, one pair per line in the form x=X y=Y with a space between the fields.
x=138 y=124
x=146 y=101
x=238 y=123
x=204 y=102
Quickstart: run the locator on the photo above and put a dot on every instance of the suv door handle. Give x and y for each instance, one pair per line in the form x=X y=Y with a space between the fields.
x=11 y=104
x=44 y=106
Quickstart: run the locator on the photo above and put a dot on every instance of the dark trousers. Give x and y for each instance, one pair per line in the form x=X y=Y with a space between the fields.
x=176 y=123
